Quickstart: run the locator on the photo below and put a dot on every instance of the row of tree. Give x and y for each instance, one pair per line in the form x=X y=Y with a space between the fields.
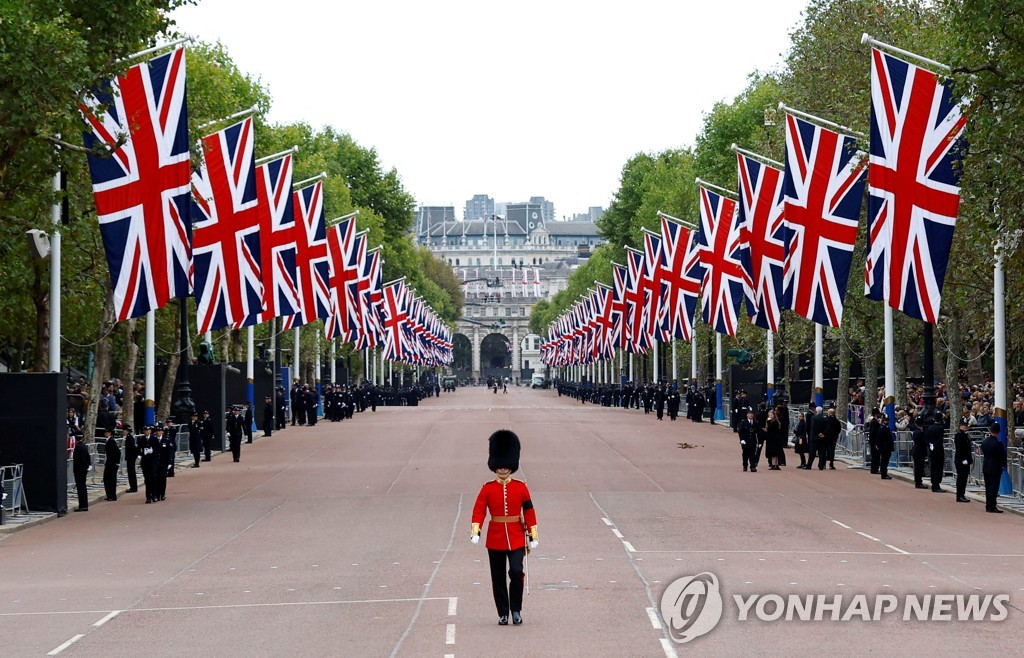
x=50 y=53
x=827 y=72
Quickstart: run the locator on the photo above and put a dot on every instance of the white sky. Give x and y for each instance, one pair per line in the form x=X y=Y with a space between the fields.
x=509 y=99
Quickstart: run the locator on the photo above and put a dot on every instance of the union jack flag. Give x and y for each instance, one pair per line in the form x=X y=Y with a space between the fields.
x=682 y=272
x=226 y=238
x=311 y=257
x=913 y=183
x=638 y=304
x=142 y=190
x=371 y=298
x=655 y=285
x=760 y=208
x=604 y=319
x=346 y=251
x=277 y=241
x=621 y=335
x=395 y=321
x=719 y=245
x=824 y=184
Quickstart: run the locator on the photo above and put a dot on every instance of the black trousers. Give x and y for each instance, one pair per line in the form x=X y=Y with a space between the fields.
x=938 y=467
x=83 y=492
x=962 y=471
x=992 y=489
x=236 y=447
x=133 y=483
x=749 y=454
x=110 y=482
x=874 y=459
x=812 y=453
x=883 y=463
x=508 y=595
x=919 y=466
x=197 y=456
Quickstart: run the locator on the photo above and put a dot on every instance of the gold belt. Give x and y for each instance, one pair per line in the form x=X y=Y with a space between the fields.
x=505 y=519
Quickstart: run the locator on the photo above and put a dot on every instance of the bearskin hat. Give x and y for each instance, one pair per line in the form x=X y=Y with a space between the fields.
x=503 y=451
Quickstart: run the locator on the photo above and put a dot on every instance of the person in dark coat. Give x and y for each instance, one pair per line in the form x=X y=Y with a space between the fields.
x=81 y=464
x=150 y=449
x=775 y=440
x=712 y=401
x=279 y=409
x=207 y=434
x=919 y=453
x=195 y=438
x=247 y=421
x=131 y=453
x=170 y=445
x=885 y=444
x=963 y=458
x=936 y=452
x=268 y=416
x=672 y=404
x=312 y=405
x=800 y=445
x=872 y=431
x=992 y=467
x=659 y=402
x=233 y=426
x=164 y=459
x=748 y=441
x=832 y=431
x=111 y=464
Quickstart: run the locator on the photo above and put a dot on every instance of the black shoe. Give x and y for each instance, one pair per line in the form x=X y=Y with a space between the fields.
x=163 y=497
x=753 y=470
x=517 y=619
x=874 y=472
x=831 y=467
x=920 y=486
x=962 y=499
x=886 y=477
x=206 y=459
x=132 y=491
x=744 y=469
x=503 y=620
x=936 y=490
x=81 y=509
x=990 y=511
x=149 y=500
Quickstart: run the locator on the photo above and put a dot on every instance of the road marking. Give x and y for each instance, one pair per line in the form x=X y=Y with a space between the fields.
x=453 y=604
x=607 y=522
x=616 y=532
x=841 y=525
x=107 y=618
x=449 y=634
x=864 y=534
x=655 y=622
x=898 y=550
x=670 y=651
x=629 y=547
x=66 y=645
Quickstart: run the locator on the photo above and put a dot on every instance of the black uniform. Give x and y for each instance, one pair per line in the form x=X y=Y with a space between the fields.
x=150 y=449
x=80 y=463
x=872 y=444
x=884 y=444
x=936 y=454
x=247 y=423
x=920 y=455
x=268 y=417
x=233 y=426
x=112 y=461
x=170 y=447
x=992 y=468
x=963 y=458
x=207 y=434
x=131 y=453
x=748 y=443
x=165 y=461
x=195 y=439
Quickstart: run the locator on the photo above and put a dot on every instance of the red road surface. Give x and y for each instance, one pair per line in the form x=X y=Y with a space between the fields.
x=352 y=539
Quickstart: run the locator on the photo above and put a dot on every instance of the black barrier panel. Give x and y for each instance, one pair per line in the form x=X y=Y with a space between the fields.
x=208 y=393
x=263 y=385
x=34 y=433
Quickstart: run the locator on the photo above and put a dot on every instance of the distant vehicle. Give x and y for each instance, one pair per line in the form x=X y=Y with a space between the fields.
x=538 y=382
x=448 y=383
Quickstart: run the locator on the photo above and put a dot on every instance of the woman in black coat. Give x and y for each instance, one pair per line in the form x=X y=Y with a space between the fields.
x=775 y=441
x=801 y=445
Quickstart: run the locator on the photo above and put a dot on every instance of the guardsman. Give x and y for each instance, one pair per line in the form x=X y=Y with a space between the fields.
x=512 y=518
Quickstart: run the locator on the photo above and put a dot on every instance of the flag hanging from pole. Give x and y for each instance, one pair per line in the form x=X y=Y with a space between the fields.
x=719 y=245
x=760 y=212
x=913 y=185
x=225 y=236
x=823 y=186
x=682 y=272
x=311 y=257
x=142 y=190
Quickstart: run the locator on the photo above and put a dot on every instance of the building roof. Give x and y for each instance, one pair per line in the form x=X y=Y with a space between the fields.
x=572 y=228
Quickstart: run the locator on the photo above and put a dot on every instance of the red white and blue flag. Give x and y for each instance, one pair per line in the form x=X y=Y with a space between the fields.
x=913 y=183
x=638 y=302
x=142 y=189
x=823 y=186
x=346 y=251
x=395 y=321
x=682 y=273
x=719 y=244
x=760 y=213
x=312 y=264
x=226 y=254
x=371 y=300
x=657 y=289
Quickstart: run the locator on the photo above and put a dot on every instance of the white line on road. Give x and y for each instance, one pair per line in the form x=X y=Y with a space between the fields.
x=864 y=534
x=655 y=622
x=607 y=522
x=65 y=645
x=841 y=525
x=629 y=547
x=898 y=550
x=453 y=603
x=449 y=634
x=616 y=532
x=670 y=651
x=107 y=618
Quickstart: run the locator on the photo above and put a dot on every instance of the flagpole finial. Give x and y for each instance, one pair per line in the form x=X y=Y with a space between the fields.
x=865 y=38
x=782 y=107
x=734 y=146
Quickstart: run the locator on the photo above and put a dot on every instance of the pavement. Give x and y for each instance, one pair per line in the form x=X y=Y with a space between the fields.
x=352 y=539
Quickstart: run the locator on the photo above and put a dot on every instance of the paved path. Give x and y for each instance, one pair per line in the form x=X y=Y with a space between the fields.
x=351 y=539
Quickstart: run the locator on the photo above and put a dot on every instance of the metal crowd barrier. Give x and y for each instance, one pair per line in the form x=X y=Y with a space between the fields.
x=13 y=479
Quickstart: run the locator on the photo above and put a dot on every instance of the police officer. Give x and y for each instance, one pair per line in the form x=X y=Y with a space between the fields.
x=170 y=445
x=920 y=454
x=164 y=461
x=885 y=445
x=963 y=458
x=111 y=463
x=150 y=456
x=268 y=416
x=873 y=426
x=81 y=463
x=233 y=428
x=936 y=452
x=748 y=441
x=247 y=421
x=131 y=453
x=207 y=434
x=992 y=467
x=195 y=438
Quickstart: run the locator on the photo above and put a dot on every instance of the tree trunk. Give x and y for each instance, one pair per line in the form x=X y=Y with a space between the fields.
x=40 y=300
x=131 y=359
x=871 y=379
x=238 y=343
x=953 y=343
x=225 y=345
x=107 y=321
x=163 y=407
x=843 y=385
x=899 y=367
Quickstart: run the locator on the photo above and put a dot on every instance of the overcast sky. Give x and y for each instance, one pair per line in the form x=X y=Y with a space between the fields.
x=509 y=99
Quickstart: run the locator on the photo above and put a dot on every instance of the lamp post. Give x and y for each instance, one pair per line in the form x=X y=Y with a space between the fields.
x=183 y=406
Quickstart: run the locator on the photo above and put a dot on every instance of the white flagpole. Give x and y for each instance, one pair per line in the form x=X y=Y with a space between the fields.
x=154 y=49
x=55 y=287
x=722 y=190
x=334 y=365
x=675 y=362
x=655 y=377
x=816 y=119
x=316 y=375
x=631 y=367
x=250 y=366
x=295 y=357
x=867 y=39
x=275 y=156
x=150 y=415
x=718 y=377
x=693 y=358
x=770 y=349
x=890 y=368
x=999 y=354
x=819 y=365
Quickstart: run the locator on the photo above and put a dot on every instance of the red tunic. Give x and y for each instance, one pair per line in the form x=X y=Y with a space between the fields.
x=510 y=498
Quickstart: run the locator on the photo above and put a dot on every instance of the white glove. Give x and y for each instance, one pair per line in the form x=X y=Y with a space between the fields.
x=742 y=442
x=475 y=539
x=533 y=544
x=965 y=462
